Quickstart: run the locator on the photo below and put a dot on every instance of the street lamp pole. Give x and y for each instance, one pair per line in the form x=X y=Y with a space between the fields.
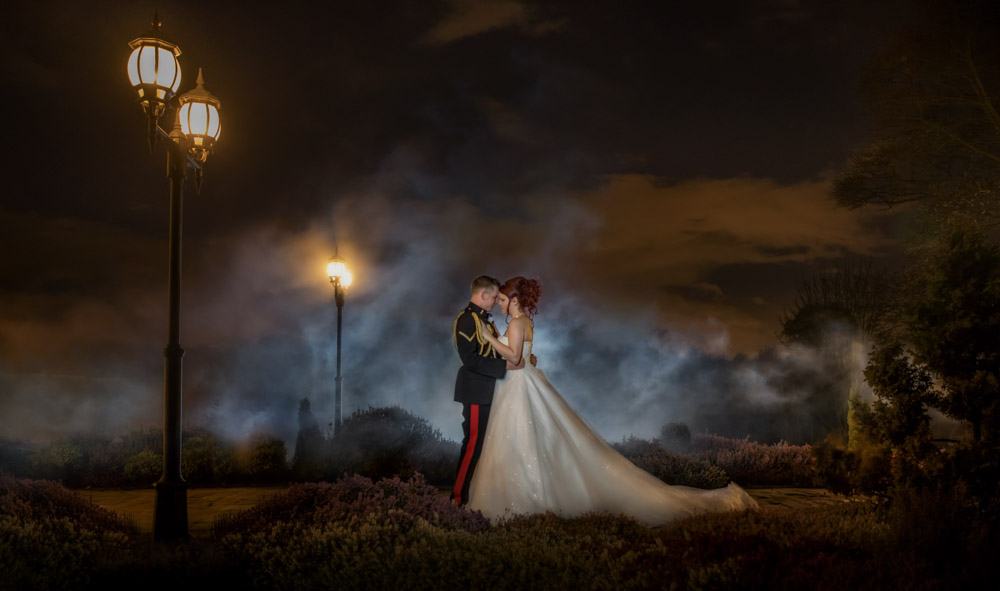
x=155 y=74
x=170 y=515
x=340 y=378
x=340 y=278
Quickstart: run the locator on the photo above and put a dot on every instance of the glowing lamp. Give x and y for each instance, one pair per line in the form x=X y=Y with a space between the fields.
x=154 y=70
x=199 y=119
x=336 y=269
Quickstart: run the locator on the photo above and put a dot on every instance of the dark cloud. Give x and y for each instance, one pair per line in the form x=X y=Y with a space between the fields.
x=660 y=166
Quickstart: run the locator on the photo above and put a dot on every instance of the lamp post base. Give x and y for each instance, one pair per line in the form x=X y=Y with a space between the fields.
x=170 y=520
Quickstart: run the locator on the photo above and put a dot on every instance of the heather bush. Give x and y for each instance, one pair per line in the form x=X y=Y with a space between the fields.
x=52 y=538
x=751 y=463
x=670 y=467
x=299 y=544
x=350 y=498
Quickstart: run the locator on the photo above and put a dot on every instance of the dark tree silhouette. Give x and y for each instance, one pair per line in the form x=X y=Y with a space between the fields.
x=836 y=311
x=952 y=324
x=932 y=95
x=903 y=393
x=309 y=444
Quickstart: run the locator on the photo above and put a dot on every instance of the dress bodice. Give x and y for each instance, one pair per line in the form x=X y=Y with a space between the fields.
x=525 y=349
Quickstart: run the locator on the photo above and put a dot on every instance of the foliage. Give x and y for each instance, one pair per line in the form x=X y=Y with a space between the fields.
x=51 y=538
x=851 y=545
x=670 y=467
x=362 y=534
x=675 y=437
x=861 y=469
x=62 y=458
x=952 y=321
x=903 y=392
x=266 y=459
x=849 y=296
x=936 y=128
x=751 y=463
x=135 y=459
x=390 y=442
x=144 y=467
x=306 y=464
x=393 y=501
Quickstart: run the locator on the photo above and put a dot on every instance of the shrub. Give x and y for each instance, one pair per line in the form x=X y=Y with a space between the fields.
x=145 y=467
x=51 y=538
x=266 y=459
x=61 y=459
x=198 y=456
x=676 y=437
x=390 y=442
x=863 y=469
x=670 y=467
x=751 y=463
x=351 y=498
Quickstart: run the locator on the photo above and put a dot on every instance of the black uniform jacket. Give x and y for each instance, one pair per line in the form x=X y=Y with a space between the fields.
x=481 y=364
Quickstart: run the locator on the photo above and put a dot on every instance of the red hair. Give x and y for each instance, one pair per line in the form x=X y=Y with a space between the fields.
x=527 y=292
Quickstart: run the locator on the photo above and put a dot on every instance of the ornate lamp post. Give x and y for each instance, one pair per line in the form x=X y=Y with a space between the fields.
x=340 y=278
x=155 y=75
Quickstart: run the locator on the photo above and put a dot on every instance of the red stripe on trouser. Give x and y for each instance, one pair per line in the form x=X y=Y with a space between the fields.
x=470 y=450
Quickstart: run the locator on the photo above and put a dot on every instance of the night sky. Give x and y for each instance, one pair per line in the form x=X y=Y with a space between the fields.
x=664 y=168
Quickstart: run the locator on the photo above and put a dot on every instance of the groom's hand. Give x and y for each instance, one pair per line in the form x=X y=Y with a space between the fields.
x=534 y=360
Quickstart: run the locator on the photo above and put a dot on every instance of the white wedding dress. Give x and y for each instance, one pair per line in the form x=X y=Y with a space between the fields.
x=539 y=455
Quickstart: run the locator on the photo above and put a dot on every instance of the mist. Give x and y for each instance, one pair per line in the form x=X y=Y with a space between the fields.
x=259 y=330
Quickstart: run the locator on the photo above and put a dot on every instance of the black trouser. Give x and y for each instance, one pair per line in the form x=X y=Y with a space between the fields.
x=474 y=428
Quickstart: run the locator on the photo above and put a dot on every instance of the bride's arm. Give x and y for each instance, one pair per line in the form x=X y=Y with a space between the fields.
x=515 y=338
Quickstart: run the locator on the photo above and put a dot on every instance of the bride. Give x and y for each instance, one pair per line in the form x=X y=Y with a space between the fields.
x=539 y=455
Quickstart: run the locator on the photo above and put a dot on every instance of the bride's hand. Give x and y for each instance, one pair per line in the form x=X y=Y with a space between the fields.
x=489 y=335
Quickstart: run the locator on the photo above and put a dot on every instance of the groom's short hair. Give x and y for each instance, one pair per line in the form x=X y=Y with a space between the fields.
x=483 y=283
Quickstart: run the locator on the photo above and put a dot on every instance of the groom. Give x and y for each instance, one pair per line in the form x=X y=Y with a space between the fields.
x=481 y=367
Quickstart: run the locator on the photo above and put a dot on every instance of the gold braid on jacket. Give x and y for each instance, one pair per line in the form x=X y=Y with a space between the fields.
x=485 y=348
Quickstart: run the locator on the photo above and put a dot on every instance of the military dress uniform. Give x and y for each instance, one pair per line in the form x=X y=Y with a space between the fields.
x=481 y=367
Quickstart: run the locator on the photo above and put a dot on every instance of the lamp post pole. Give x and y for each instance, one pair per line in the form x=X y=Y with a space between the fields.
x=339 y=295
x=340 y=278
x=155 y=74
x=170 y=516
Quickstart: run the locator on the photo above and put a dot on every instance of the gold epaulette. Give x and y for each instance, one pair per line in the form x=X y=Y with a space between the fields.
x=485 y=348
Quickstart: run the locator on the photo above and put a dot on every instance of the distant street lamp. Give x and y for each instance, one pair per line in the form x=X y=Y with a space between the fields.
x=340 y=278
x=155 y=74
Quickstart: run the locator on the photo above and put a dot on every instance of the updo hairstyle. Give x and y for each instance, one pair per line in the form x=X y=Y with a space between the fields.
x=527 y=292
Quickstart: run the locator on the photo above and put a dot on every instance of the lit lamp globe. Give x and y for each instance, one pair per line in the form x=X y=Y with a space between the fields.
x=336 y=269
x=199 y=119
x=154 y=72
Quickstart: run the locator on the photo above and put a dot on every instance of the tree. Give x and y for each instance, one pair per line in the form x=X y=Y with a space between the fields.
x=837 y=311
x=932 y=95
x=952 y=324
x=903 y=393
x=849 y=295
x=309 y=444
